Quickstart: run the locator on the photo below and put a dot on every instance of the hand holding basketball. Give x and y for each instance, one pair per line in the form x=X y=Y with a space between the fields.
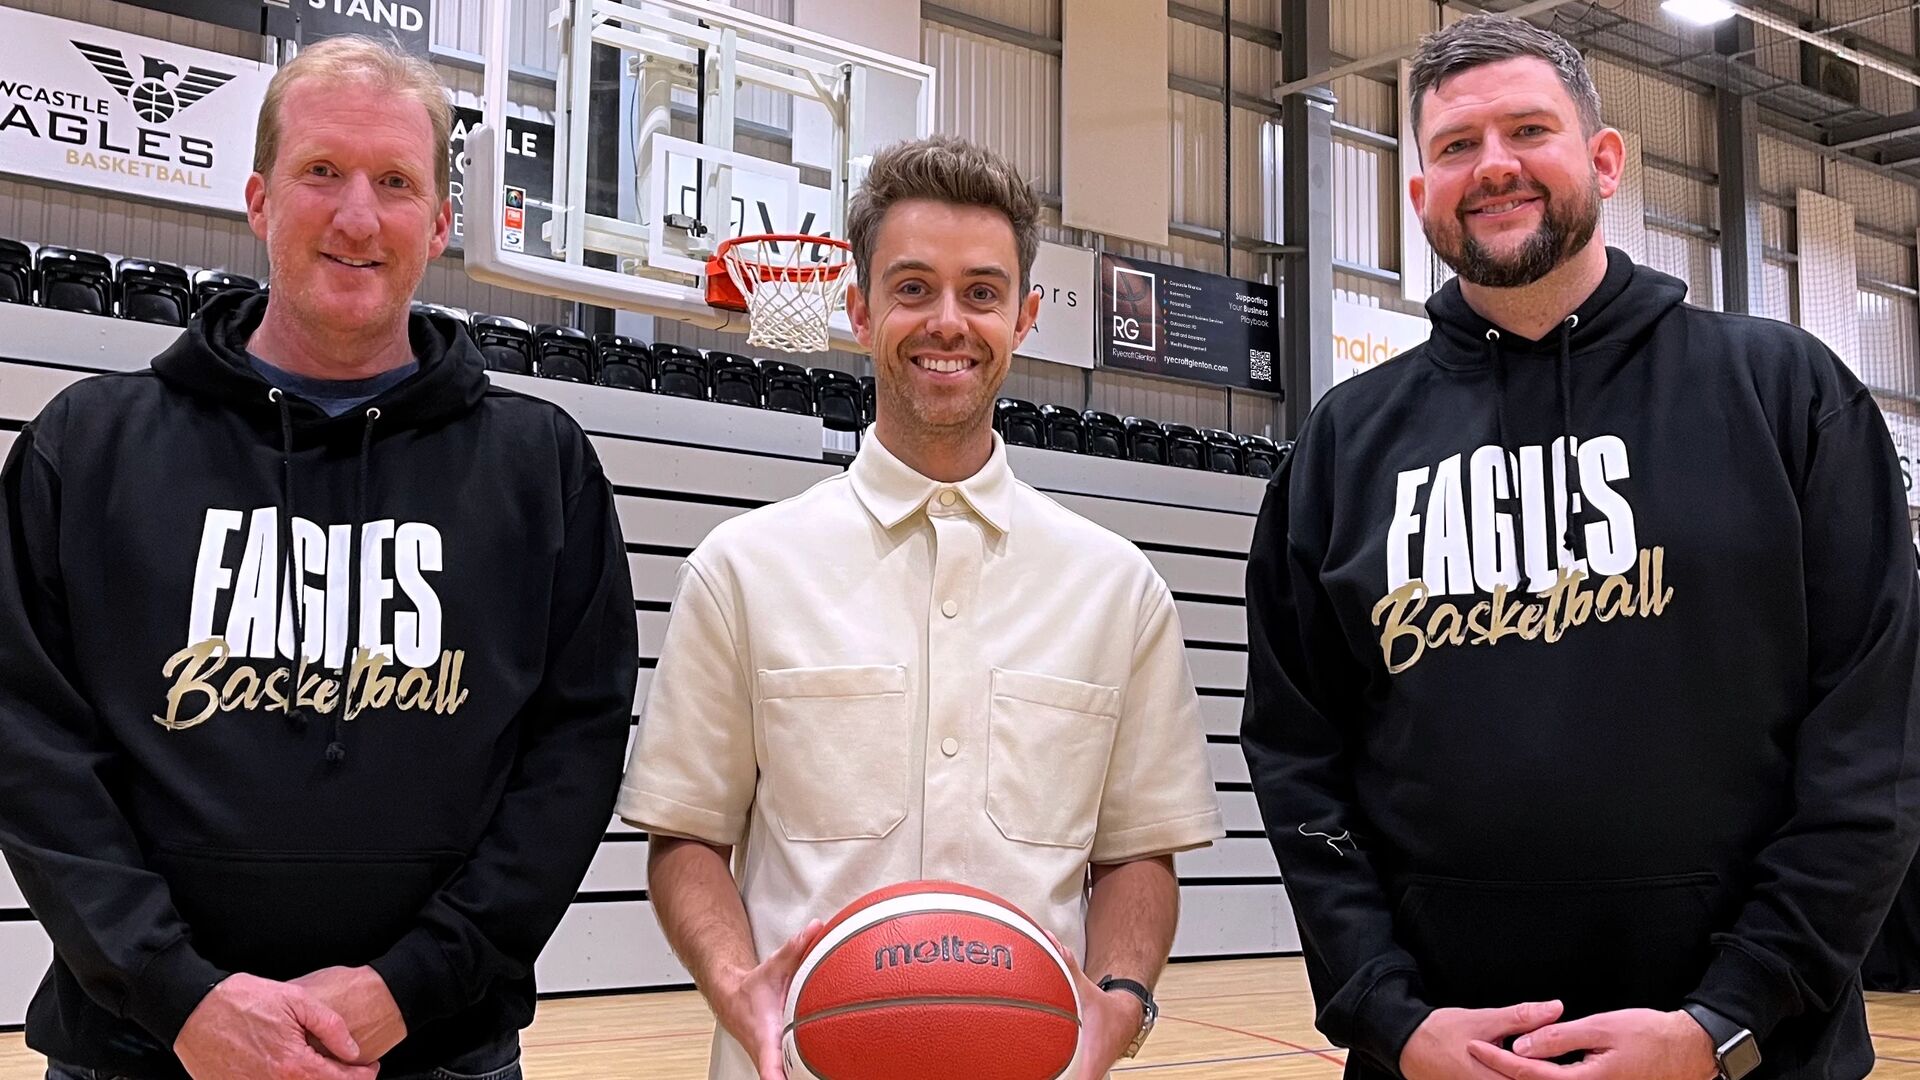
x=1109 y=1019
x=751 y=1004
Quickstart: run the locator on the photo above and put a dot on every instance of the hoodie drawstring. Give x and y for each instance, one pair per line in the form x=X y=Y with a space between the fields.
x=337 y=749
x=1572 y=537
x=296 y=716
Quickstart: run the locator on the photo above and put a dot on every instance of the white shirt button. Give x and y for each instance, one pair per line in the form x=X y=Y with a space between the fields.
x=948 y=498
x=949 y=746
x=949 y=609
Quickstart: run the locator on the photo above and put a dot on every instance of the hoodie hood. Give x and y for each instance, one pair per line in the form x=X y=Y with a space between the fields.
x=209 y=361
x=1619 y=314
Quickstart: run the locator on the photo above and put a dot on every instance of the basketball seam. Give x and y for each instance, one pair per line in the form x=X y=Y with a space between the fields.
x=931 y=999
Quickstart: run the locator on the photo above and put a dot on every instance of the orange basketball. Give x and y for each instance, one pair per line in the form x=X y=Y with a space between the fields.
x=934 y=981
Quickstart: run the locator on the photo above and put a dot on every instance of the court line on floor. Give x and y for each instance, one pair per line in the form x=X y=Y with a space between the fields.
x=1321 y=1054
x=1211 y=1061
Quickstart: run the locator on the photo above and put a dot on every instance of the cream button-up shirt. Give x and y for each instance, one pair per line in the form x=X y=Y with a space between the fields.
x=888 y=678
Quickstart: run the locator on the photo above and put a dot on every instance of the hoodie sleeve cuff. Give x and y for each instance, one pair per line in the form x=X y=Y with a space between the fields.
x=421 y=981
x=170 y=988
x=1746 y=989
x=1387 y=1017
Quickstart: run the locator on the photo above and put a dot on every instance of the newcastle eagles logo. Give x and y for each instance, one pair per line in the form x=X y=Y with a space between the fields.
x=153 y=97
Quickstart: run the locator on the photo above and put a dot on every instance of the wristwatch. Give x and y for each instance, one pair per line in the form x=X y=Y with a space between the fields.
x=1147 y=1017
x=1735 y=1049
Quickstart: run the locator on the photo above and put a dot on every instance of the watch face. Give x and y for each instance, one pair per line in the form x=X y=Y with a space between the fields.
x=1739 y=1057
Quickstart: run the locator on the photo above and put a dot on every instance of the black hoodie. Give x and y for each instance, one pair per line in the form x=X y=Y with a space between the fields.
x=170 y=820
x=1680 y=764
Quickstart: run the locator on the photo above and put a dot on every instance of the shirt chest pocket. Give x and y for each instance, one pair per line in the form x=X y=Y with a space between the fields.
x=837 y=746
x=1047 y=755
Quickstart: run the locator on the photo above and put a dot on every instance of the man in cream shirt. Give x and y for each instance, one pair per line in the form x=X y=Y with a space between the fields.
x=923 y=668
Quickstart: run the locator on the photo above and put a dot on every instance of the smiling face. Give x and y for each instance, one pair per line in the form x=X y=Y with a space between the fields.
x=1511 y=184
x=350 y=213
x=941 y=314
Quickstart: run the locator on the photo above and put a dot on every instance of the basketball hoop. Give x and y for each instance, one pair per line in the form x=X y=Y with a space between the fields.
x=787 y=298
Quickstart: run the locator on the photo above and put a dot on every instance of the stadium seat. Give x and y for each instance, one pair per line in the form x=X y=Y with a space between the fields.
x=836 y=397
x=735 y=379
x=562 y=352
x=625 y=362
x=1018 y=422
x=154 y=292
x=210 y=283
x=788 y=388
x=16 y=272
x=1222 y=451
x=1184 y=447
x=1145 y=441
x=1104 y=435
x=679 y=371
x=506 y=343
x=75 y=280
x=1261 y=455
x=1062 y=428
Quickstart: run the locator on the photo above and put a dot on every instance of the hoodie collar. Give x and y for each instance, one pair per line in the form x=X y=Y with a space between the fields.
x=892 y=491
x=1628 y=301
x=209 y=361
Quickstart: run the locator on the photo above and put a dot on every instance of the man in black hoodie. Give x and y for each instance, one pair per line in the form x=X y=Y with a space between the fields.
x=1581 y=697
x=317 y=653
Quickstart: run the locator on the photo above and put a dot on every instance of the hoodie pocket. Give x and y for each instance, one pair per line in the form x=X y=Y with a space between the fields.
x=1595 y=945
x=281 y=915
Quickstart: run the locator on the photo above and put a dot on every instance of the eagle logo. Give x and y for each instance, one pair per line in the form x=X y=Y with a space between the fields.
x=154 y=98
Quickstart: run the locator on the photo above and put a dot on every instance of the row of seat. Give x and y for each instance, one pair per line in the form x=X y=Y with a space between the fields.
x=70 y=279
x=1102 y=434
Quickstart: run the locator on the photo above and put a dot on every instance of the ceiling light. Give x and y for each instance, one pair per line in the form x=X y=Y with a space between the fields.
x=1700 y=12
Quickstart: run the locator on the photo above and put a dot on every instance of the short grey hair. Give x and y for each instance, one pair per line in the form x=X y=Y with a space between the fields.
x=1488 y=38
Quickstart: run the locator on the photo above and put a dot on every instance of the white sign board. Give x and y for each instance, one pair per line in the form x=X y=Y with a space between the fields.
x=1063 y=276
x=1365 y=337
x=131 y=115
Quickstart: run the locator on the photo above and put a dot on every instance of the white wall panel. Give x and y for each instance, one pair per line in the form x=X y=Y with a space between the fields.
x=1040 y=17
x=999 y=95
x=1889 y=342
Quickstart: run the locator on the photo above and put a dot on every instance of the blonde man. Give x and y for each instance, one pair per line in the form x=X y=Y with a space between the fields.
x=923 y=668
x=323 y=838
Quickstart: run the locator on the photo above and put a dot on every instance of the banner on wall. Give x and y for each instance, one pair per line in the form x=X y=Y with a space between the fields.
x=1063 y=334
x=126 y=114
x=1186 y=324
x=1366 y=337
x=527 y=202
x=404 y=21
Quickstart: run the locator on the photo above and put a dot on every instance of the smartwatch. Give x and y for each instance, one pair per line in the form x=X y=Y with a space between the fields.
x=1147 y=1015
x=1735 y=1050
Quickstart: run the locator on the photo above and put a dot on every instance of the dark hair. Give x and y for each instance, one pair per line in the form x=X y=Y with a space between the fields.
x=1488 y=38
x=943 y=168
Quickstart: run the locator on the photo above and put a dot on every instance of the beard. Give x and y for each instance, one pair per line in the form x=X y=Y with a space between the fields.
x=923 y=416
x=1566 y=225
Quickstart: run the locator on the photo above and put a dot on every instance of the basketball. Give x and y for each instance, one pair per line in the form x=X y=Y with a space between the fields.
x=935 y=981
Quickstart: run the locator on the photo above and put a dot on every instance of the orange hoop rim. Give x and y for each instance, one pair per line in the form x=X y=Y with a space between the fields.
x=771 y=271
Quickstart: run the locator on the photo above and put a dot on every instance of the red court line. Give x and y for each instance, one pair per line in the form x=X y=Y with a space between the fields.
x=1903 y=1061
x=1321 y=1054
x=1902 y=1038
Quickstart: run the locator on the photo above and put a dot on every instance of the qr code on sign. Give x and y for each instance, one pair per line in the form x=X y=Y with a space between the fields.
x=1261 y=361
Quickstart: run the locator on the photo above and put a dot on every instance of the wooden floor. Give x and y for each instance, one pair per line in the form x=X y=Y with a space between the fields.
x=1233 y=1020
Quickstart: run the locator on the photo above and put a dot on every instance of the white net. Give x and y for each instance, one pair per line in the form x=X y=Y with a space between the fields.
x=789 y=298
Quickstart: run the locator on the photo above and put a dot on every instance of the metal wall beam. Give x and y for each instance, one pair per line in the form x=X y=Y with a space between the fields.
x=1737 y=128
x=1306 y=174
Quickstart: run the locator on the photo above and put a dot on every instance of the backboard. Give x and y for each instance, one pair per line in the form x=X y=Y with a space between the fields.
x=677 y=124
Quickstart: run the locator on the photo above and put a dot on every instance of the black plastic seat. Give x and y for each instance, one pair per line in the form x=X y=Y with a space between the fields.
x=836 y=397
x=625 y=362
x=869 y=404
x=75 y=280
x=562 y=352
x=211 y=283
x=154 y=292
x=1260 y=456
x=1104 y=435
x=1145 y=441
x=1222 y=451
x=1062 y=428
x=788 y=387
x=735 y=379
x=16 y=272
x=442 y=316
x=679 y=371
x=1184 y=447
x=505 y=342
x=1019 y=422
